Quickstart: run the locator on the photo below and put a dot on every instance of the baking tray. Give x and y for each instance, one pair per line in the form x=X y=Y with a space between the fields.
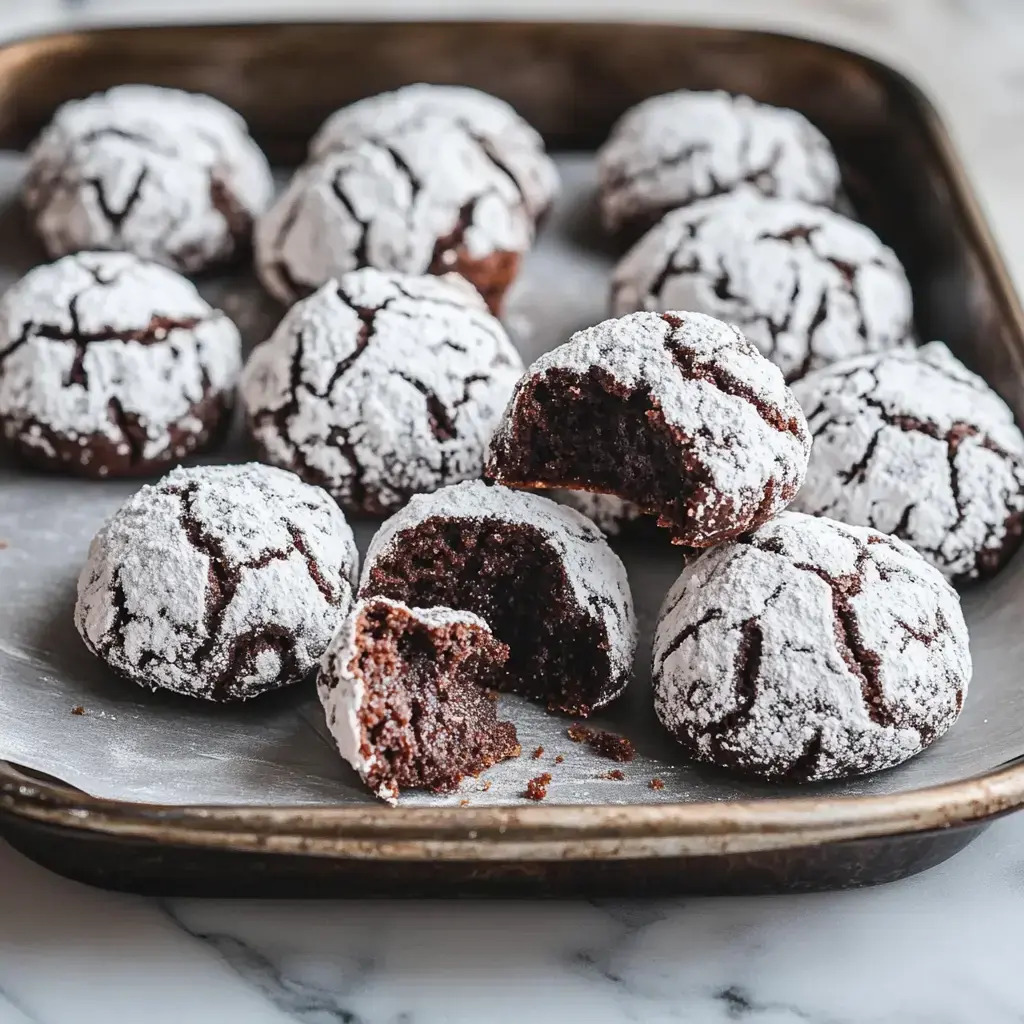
x=571 y=81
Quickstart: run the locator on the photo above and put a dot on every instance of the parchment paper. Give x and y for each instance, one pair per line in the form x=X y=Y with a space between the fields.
x=133 y=745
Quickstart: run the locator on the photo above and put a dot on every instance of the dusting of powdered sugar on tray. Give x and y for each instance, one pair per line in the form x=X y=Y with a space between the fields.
x=914 y=444
x=168 y=175
x=96 y=331
x=673 y=149
x=379 y=386
x=806 y=285
x=220 y=582
x=596 y=575
x=510 y=142
x=810 y=650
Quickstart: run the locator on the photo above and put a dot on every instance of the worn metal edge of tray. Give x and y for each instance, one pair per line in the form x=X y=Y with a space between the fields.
x=560 y=832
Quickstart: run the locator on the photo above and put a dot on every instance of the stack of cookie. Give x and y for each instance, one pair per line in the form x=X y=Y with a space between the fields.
x=758 y=396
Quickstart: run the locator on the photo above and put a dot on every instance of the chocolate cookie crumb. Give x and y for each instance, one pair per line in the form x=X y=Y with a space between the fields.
x=617 y=748
x=538 y=753
x=487 y=785
x=616 y=775
x=79 y=710
x=656 y=784
x=579 y=733
x=537 y=788
x=463 y=803
x=559 y=759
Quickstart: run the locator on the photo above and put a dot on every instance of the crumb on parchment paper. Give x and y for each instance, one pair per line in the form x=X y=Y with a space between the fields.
x=537 y=789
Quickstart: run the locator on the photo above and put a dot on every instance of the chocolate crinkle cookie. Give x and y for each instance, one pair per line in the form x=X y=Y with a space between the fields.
x=810 y=650
x=428 y=200
x=671 y=150
x=380 y=386
x=806 y=285
x=404 y=692
x=167 y=175
x=110 y=366
x=541 y=575
x=914 y=444
x=221 y=582
x=675 y=412
x=511 y=144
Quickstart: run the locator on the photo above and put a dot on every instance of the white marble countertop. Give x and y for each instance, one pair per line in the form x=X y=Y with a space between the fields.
x=941 y=948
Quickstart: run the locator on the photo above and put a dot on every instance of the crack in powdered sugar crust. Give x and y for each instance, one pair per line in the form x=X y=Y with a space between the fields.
x=381 y=386
x=914 y=444
x=219 y=582
x=510 y=142
x=673 y=149
x=595 y=573
x=810 y=649
x=723 y=401
x=168 y=175
x=100 y=331
x=342 y=691
x=806 y=285
x=406 y=203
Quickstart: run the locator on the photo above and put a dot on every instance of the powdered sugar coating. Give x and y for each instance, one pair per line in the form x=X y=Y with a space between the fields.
x=682 y=146
x=381 y=386
x=167 y=175
x=610 y=514
x=914 y=444
x=342 y=691
x=719 y=399
x=428 y=200
x=220 y=582
x=810 y=650
x=596 y=575
x=806 y=285
x=106 y=360
x=509 y=141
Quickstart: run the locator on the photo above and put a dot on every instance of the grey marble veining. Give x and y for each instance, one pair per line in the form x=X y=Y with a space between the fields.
x=941 y=948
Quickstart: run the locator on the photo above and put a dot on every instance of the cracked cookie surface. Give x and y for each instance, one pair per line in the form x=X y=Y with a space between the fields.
x=541 y=575
x=673 y=149
x=404 y=692
x=221 y=582
x=675 y=412
x=507 y=139
x=381 y=386
x=809 y=650
x=170 y=176
x=914 y=444
x=110 y=366
x=428 y=200
x=806 y=285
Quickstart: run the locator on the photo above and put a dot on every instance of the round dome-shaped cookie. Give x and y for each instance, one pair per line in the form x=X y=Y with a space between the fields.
x=541 y=575
x=808 y=650
x=426 y=201
x=671 y=150
x=381 y=386
x=404 y=692
x=806 y=285
x=914 y=444
x=167 y=175
x=221 y=582
x=110 y=366
x=505 y=138
x=675 y=412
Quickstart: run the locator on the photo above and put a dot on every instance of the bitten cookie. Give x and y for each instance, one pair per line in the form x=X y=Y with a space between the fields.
x=540 y=574
x=112 y=367
x=404 y=693
x=807 y=286
x=810 y=650
x=426 y=201
x=508 y=141
x=221 y=582
x=914 y=444
x=169 y=176
x=671 y=150
x=381 y=386
x=675 y=412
